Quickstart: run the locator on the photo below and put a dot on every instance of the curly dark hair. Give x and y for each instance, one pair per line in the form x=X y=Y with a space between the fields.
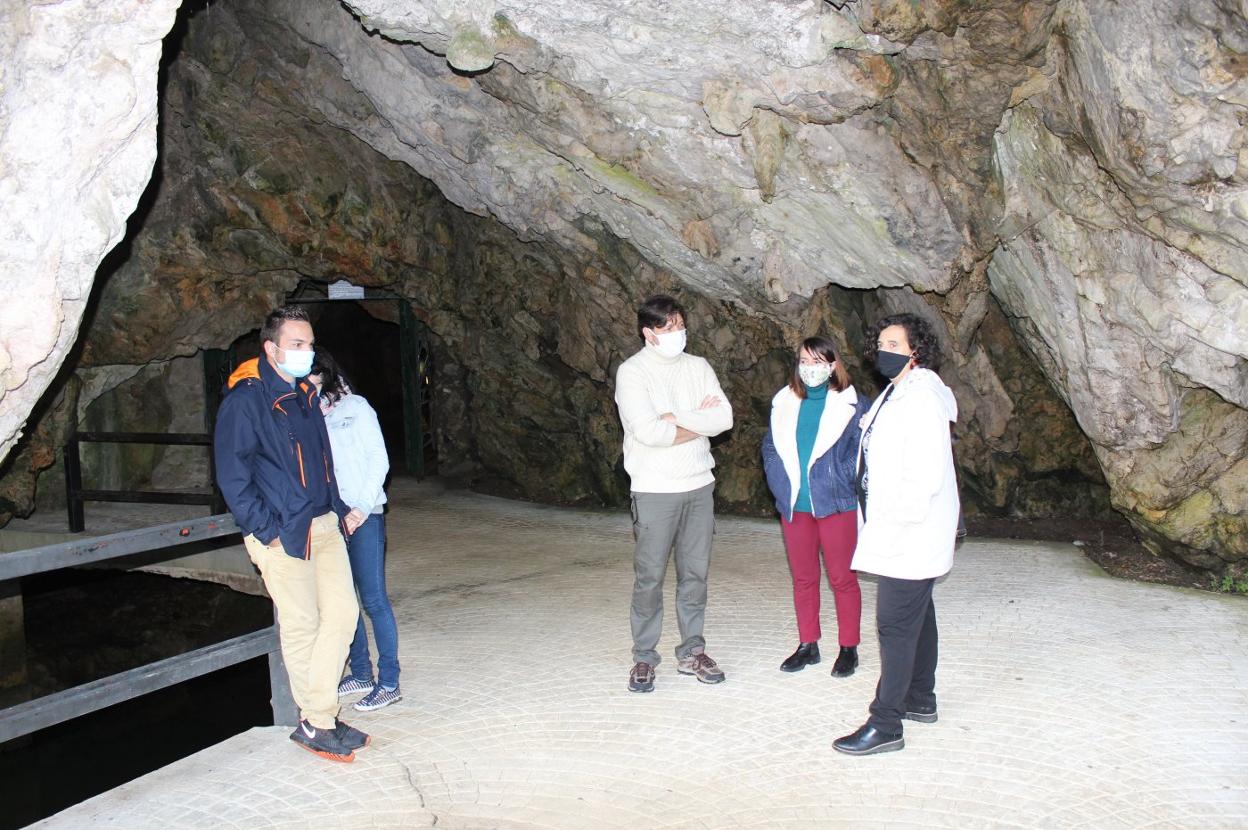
x=919 y=334
x=334 y=383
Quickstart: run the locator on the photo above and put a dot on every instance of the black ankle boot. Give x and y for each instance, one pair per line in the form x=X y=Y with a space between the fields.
x=867 y=740
x=807 y=654
x=846 y=662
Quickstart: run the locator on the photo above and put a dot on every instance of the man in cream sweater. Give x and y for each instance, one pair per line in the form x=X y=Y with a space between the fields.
x=670 y=405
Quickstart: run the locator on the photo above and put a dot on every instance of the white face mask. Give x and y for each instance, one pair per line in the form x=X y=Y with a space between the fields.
x=297 y=364
x=671 y=343
x=814 y=374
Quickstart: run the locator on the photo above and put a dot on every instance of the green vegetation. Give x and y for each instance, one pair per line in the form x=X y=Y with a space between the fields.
x=1228 y=584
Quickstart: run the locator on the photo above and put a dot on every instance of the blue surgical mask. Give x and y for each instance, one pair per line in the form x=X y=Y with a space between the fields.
x=297 y=364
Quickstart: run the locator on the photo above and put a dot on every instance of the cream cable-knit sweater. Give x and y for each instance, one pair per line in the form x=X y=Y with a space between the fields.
x=648 y=385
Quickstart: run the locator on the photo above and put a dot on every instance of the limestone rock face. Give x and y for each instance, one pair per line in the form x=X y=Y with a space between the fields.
x=1124 y=256
x=1096 y=152
x=258 y=189
x=77 y=144
x=742 y=125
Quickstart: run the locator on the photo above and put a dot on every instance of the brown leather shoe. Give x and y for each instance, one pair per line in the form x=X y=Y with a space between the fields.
x=701 y=667
x=641 y=678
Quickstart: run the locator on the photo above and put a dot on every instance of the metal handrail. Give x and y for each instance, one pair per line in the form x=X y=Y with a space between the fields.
x=33 y=715
x=76 y=494
x=49 y=710
x=113 y=546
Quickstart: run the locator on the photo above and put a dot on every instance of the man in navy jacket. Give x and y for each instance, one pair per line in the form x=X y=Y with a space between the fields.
x=275 y=470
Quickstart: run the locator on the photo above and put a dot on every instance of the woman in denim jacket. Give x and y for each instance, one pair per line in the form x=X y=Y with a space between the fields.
x=360 y=465
x=809 y=455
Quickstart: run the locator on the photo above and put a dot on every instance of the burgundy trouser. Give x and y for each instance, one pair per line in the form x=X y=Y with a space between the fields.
x=836 y=535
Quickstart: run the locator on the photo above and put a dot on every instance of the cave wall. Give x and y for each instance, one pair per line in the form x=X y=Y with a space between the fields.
x=1057 y=185
x=78 y=87
x=1122 y=259
x=256 y=192
x=898 y=130
x=165 y=396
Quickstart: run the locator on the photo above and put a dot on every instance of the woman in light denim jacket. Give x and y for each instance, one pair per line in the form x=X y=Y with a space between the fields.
x=809 y=454
x=360 y=465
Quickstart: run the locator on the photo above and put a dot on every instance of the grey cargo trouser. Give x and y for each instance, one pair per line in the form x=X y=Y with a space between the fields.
x=661 y=521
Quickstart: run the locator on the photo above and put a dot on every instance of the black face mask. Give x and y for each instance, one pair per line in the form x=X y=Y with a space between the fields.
x=891 y=365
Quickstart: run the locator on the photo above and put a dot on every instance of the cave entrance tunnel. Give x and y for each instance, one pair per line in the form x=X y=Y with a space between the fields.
x=384 y=353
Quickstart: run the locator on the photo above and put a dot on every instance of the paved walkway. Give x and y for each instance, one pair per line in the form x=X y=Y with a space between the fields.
x=1067 y=699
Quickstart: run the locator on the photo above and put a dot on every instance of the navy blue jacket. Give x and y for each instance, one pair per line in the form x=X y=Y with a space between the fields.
x=272 y=471
x=832 y=474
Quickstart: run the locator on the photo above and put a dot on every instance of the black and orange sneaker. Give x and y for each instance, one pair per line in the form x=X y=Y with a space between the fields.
x=351 y=737
x=324 y=742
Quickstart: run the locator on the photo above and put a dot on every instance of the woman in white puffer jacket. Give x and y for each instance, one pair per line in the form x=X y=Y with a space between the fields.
x=908 y=503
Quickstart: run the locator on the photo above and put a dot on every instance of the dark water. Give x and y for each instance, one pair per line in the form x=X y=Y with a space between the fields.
x=81 y=625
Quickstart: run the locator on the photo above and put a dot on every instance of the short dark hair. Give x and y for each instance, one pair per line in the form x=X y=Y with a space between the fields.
x=334 y=383
x=272 y=328
x=826 y=349
x=919 y=334
x=657 y=311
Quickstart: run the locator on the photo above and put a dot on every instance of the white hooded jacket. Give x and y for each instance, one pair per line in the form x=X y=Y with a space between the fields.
x=912 y=509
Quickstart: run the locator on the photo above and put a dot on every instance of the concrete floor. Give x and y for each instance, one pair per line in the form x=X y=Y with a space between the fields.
x=1067 y=699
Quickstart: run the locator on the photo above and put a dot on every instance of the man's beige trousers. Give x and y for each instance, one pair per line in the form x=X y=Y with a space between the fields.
x=316 y=615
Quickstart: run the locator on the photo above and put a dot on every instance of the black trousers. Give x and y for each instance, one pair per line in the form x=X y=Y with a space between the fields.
x=905 y=619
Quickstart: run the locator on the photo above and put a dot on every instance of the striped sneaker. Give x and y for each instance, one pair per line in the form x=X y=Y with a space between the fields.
x=379 y=697
x=350 y=686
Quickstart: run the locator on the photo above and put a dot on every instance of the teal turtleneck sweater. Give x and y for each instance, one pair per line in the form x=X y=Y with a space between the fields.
x=807 y=428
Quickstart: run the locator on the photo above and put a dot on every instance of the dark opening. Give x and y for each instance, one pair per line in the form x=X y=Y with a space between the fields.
x=368 y=350
x=82 y=625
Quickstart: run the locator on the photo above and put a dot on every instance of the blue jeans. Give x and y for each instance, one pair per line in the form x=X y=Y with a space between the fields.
x=367 y=551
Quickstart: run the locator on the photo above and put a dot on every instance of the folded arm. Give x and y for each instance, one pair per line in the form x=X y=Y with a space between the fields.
x=637 y=412
x=713 y=415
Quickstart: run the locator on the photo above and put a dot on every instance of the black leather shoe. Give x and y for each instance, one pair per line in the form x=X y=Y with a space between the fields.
x=922 y=714
x=846 y=662
x=807 y=654
x=868 y=740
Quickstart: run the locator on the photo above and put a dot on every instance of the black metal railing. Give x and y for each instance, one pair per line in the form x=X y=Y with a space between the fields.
x=33 y=715
x=76 y=494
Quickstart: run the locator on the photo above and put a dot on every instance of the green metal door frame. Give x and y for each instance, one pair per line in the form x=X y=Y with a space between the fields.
x=415 y=356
